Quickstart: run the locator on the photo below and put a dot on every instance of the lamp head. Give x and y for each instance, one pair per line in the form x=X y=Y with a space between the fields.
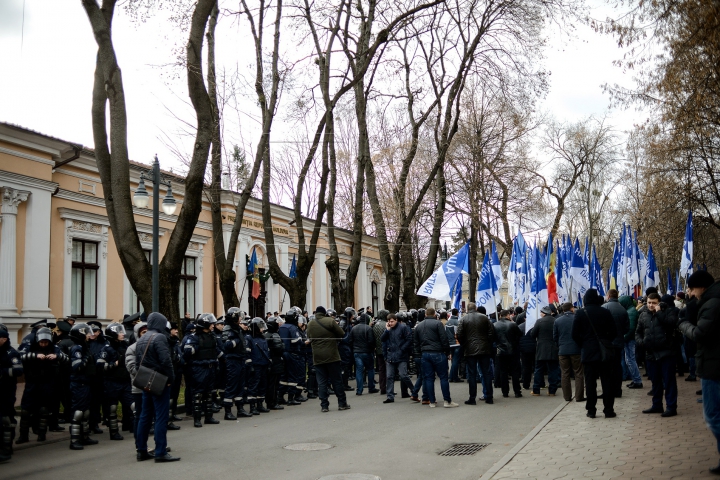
x=169 y=204
x=141 y=197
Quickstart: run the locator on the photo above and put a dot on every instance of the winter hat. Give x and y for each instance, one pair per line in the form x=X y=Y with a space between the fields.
x=680 y=295
x=700 y=279
x=546 y=310
x=592 y=298
x=320 y=310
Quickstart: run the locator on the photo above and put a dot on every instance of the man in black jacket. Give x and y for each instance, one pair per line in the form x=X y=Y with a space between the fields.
x=704 y=329
x=431 y=341
x=622 y=323
x=655 y=333
x=546 y=356
x=594 y=324
x=507 y=339
x=363 y=344
x=153 y=351
x=476 y=336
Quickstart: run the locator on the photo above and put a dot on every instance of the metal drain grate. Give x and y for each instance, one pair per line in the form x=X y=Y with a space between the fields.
x=463 y=449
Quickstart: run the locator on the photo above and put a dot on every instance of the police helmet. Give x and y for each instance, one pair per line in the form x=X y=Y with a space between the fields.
x=272 y=325
x=79 y=332
x=258 y=325
x=298 y=310
x=114 y=330
x=413 y=313
x=302 y=320
x=364 y=318
x=350 y=313
x=205 y=320
x=4 y=331
x=246 y=320
x=233 y=315
x=331 y=313
x=44 y=333
x=291 y=316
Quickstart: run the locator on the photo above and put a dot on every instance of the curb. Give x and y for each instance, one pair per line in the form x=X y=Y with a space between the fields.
x=516 y=449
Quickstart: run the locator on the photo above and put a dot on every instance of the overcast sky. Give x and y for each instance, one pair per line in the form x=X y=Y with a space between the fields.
x=47 y=54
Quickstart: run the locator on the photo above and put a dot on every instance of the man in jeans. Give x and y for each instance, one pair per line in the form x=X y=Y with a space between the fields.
x=655 y=334
x=397 y=343
x=153 y=351
x=706 y=334
x=569 y=354
x=432 y=342
x=476 y=335
x=630 y=361
x=323 y=334
x=455 y=349
x=363 y=343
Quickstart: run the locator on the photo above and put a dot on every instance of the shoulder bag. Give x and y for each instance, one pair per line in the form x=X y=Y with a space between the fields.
x=148 y=379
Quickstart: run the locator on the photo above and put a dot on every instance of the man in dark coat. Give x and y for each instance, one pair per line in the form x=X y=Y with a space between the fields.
x=705 y=332
x=153 y=351
x=655 y=333
x=324 y=333
x=431 y=341
x=593 y=325
x=397 y=343
x=622 y=323
x=546 y=356
x=476 y=335
x=507 y=339
x=569 y=354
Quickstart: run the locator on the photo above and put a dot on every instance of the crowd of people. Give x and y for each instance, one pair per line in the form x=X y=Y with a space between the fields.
x=79 y=374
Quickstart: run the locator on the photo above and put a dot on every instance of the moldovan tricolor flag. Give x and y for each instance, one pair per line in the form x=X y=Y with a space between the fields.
x=255 y=292
x=550 y=279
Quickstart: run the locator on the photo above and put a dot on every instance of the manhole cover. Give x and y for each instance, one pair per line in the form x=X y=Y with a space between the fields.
x=463 y=449
x=351 y=476
x=306 y=447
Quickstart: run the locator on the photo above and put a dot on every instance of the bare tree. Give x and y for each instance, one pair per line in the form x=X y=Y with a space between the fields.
x=111 y=151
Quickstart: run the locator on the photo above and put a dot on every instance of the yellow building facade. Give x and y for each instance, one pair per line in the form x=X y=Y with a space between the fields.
x=58 y=256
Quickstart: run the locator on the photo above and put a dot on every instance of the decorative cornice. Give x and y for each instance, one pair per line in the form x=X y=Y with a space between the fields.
x=26 y=156
x=70 y=214
x=65 y=171
x=26 y=181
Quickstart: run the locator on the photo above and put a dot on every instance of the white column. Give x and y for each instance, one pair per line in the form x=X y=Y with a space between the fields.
x=243 y=249
x=283 y=261
x=11 y=198
x=36 y=292
x=362 y=283
x=322 y=287
x=309 y=305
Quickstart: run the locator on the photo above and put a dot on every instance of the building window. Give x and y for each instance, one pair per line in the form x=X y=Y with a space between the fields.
x=135 y=305
x=374 y=290
x=84 y=278
x=187 y=287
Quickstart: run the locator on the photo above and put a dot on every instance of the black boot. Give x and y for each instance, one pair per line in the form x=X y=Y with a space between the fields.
x=6 y=438
x=209 y=410
x=300 y=398
x=24 y=428
x=42 y=424
x=173 y=412
x=86 y=440
x=197 y=410
x=281 y=400
x=76 y=431
x=291 y=400
x=228 y=412
x=241 y=412
x=113 y=424
x=261 y=408
x=253 y=408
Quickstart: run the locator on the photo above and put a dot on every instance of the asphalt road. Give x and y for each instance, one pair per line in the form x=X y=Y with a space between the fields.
x=395 y=441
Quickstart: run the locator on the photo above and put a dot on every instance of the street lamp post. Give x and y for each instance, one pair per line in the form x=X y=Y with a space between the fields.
x=140 y=199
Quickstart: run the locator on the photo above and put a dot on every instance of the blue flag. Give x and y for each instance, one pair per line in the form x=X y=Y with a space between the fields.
x=440 y=283
x=293 y=268
x=487 y=288
x=538 y=295
x=670 y=283
x=686 y=266
x=652 y=274
x=458 y=293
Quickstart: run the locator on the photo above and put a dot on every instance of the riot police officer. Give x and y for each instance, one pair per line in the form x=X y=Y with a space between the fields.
x=116 y=378
x=95 y=345
x=83 y=371
x=221 y=370
x=41 y=364
x=257 y=374
x=277 y=363
x=10 y=369
x=289 y=382
x=235 y=346
x=201 y=352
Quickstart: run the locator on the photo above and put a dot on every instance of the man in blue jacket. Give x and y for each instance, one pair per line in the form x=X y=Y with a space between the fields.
x=397 y=343
x=153 y=351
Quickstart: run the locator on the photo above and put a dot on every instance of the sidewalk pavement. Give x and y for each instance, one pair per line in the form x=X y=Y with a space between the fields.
x=632 y=445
